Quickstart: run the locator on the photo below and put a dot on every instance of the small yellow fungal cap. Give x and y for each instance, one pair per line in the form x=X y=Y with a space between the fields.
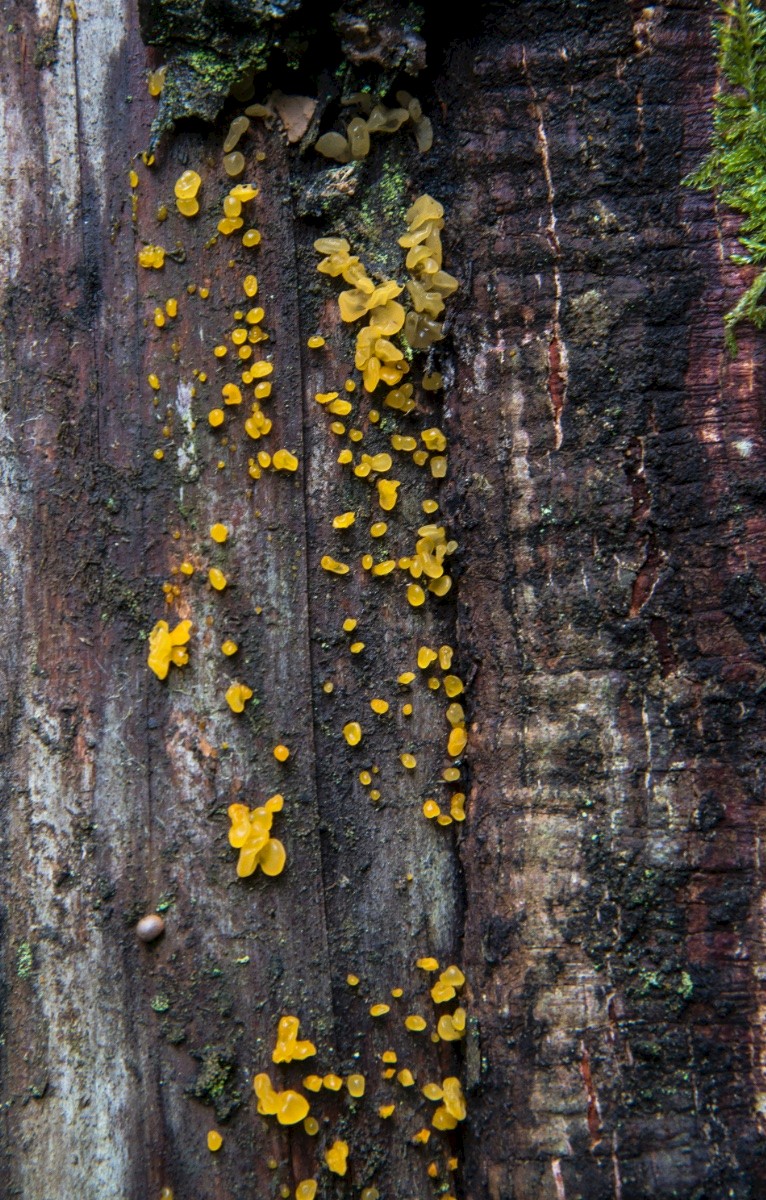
x=415 y=1023
x=350 y=624
x=406 y=1078
x=153 y=382
x=378 y=528
x=388 y=1056
x=422 y=1136
x=379 y=1010
x=452 y=685
x=215 y=417
x=456 y=742
x=231 y=393
x=281 y=753
x=387 y=493
x=250 y=285
x=337 y=1157
x=431 y=809
x=356 y=647
x=186 y=568
x=416 y=595
x=214 y=1140
x=344 y=520
x=217 y=579
x=311 y=1125
x=355 y=1085
x=219 y=533
x=352 y=732
x=283 y=460
x=352 y=980
x=159 y=455
x=428 y=964
x=332 y=1082
x=397 y=993
x=237 y=695
x=386 y=1110
x=425 y=657
x=229 y=647
x=406 y=710
x=307 y=1188
x=313 y=1083
x=345 y=457
x=315 y=342
x=430 y=506
x=409 y=761
x=365 y=778
x=405 y=677
x=379 y=706
x=167 y=646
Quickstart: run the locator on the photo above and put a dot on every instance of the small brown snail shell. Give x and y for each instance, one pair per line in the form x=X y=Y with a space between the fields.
x=150 y=927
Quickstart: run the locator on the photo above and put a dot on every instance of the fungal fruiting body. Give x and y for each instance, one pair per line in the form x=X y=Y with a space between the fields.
x=167 y=646
x=288 y=1046
x=336 y=1157
x=250 y=834
x=288 y=1107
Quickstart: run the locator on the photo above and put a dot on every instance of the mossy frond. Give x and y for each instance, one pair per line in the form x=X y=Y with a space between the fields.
x=735 y=168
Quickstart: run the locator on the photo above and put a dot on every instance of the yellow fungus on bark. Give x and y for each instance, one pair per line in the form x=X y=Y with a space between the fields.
x=352 y=980
x=237 y=696
x=313 y=1083
x=332 y=1082
x=344 y=520
x=315 y=342
x=414 y=1023
x=355 y=1085
x=416 y=595
x=283 y=460
x=333 y=566
x=167 y=646
x=216 y=417
x=214 y=1140
x=217 y=579
x=307 y=1188
x=406 y=677
x=428 y=964
x=336 y=1157
x=229 y=647
x=456 y=742
x=218 y=532
x=409 y=761
x=387 y=493
x=406 y=1078
x=289 y=1047
x=379 y=1010
x=281 y=753
x=386 y=1110
x=356 y=647
x=378 y=528
x=311 y=1125
x=379 y=706
x=352 y=732
x=452 y=685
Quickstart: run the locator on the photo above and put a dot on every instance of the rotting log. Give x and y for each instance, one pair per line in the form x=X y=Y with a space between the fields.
x=606 y=458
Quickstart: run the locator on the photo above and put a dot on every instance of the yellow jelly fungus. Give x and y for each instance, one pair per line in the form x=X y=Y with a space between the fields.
x=337 y=1157
x=186 y=568
x=187 y=185
x=389 y=1073
x=388 y=1056
x=397 y=993
x=159 y=318
x=352 y=980
x=313 y=1083
x=379 y=1010
x=219 y=533
x=434 y=683
x=215 y=417
x=379 y=706
x=151 y=256
x=457 y=806
x=229 y=647
x=237 y=696
x=355 y=1085
x=339 y=408
x=425 y=657
x=375 y=794
x=234 y=164
x=370 y=1193
x=345 y=457
x=387 y=493
x=251 y=237
x=365 y=778
x=430 y=506
x=378 y=528
x=231 y=394
x=315 y=342
x=445 y=657
x=438 y=467
x=261 y=369
x=133 y=179
x=451 y=1027
x=386 y=1110
x=311 y=1125
x=352 y=732
x=217 y=579
x=220 y=351
x=250 y=285
x=153 y=382
x=452 y=686
x=406 y=1078
x=171 y=307
x=335 y=568
x=415 y=1024
x=422 y=1136
x=406 y=710
x=406 y=677
x=332 y=1082
x=338 y=427
x=356 y=435
x=158 y=454
x=456 y=742
x=431 y=809
x=283 y=460
x=367 y=561
x=344 y=520
x=328 y=688
x=264 y=459
x=356 y=647
x=428 y=964
x=415 y=595
x=433 y=1092
x=281 y=753
x=451 y=774
x=307 y=1188
x=214 y=1140
x=350 y=624
x=166 y=646
x=409 y=761
x=250 y=834
x=289 y=1047
x=384 y=568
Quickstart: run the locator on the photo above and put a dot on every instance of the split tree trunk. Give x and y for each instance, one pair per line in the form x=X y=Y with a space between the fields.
x=606 y=463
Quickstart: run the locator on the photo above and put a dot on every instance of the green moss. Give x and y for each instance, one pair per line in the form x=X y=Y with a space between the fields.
x=735 y=168
x=160 y=1003
x=24 y=961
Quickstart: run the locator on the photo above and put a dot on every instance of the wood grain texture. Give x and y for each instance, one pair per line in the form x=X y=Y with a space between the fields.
x=606 y=459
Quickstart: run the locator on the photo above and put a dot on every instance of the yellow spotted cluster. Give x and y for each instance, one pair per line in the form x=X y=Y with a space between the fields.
x=250 y=833
x=376 y=118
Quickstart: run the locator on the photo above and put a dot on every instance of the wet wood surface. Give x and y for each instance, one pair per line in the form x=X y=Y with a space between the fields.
x=604 y=896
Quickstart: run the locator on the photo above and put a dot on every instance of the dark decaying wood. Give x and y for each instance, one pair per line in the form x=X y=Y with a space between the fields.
x=605 y=486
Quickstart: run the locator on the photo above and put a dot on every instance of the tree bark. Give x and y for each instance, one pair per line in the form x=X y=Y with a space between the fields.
x=604 y=896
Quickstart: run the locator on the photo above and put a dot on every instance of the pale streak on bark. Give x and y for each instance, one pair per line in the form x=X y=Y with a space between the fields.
x=557 y=350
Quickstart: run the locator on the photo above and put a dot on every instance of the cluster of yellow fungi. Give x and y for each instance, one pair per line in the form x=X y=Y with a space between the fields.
x=375 y=118
x=250 y=833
